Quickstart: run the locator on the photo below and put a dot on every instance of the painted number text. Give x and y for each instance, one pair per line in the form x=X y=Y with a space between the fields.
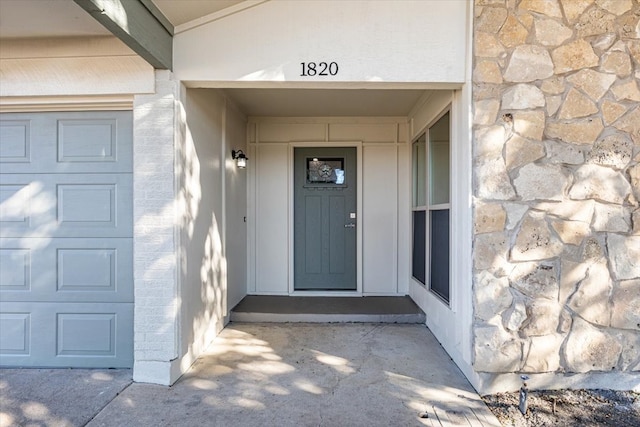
x=310 y=69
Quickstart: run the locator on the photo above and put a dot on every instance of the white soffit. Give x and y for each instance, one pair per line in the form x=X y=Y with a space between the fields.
x=46 y=18
x=184 y=11
x=325 y=102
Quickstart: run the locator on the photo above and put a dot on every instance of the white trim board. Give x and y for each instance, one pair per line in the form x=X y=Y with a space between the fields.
x=28 y=104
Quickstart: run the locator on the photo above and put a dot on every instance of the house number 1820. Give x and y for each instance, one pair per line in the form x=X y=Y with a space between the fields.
x=310 y=69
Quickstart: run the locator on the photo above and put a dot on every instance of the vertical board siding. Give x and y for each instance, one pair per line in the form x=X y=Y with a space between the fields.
x=272 y=222
x=380 y=198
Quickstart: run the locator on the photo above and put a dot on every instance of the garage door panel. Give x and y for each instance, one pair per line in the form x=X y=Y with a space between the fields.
x=66 y=239
x=88 y=140
x=15 y=338
x=15 y=270
x=16 y=141
x=86 y=334
x=68 y=142
x=15 y=204
x=71 y=270
x=66 y=334
x=87 y=205
x=58 y=205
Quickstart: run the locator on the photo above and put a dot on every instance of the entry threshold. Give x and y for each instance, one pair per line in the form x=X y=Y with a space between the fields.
x=283 y=309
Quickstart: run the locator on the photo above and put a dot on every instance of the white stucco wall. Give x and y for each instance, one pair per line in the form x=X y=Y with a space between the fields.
x=235 y=207
x=203 y=281
x=370 y=41
x=211 y=208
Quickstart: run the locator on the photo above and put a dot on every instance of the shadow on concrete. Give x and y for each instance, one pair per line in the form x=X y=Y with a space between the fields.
x=309 y=375
x=57 y=397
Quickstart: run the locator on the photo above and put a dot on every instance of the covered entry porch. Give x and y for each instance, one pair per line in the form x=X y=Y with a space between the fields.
x=235 y=231
x=243 y=223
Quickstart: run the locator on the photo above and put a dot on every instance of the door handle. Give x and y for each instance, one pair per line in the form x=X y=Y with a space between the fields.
x=351 y=225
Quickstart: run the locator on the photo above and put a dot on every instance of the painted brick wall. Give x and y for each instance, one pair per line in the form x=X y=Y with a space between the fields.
x=155 y=259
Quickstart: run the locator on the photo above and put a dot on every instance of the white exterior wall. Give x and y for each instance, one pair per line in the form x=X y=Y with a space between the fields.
x=451 y=324
x=235 y=207
x=371 y=41
x=201 y=204
x=379 y=142
x=212 y=205
x=188 y=196
x=155 y=243
x=69 y=67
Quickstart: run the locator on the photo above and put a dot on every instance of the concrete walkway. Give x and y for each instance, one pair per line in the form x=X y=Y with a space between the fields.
x=304 y=375
x=57 y=397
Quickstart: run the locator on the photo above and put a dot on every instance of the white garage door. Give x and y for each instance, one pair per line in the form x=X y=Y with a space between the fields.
x=66 y=247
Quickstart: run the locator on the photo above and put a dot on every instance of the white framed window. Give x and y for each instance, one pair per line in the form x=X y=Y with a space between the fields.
x=431 y=159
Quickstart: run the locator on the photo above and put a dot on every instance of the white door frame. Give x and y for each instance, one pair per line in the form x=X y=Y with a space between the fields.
x=290 y=197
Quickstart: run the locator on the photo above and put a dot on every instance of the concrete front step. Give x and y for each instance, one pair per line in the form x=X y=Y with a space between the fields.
x=283 y=309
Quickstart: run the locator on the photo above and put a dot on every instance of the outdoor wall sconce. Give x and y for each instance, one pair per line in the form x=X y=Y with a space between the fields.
x=240 y=158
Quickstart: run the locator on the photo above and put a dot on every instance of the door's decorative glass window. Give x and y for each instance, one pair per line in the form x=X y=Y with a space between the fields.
x=325 y=170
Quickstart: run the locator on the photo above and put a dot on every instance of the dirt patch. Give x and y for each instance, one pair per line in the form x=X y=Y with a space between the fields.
x=576 y=408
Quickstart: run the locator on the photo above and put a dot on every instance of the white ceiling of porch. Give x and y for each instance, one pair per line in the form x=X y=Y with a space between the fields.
x=64 y=18
x=325 y=102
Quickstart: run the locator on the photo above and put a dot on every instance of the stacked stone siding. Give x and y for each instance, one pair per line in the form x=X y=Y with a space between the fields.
x=556 y=186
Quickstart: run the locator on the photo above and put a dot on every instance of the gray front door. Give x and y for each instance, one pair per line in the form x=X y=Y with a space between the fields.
x=325 y=218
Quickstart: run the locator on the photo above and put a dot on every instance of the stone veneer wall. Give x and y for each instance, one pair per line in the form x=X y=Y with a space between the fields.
x=556 y=186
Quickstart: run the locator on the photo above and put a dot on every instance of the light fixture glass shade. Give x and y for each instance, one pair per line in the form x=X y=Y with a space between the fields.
x=240 y=158
x=241 y=162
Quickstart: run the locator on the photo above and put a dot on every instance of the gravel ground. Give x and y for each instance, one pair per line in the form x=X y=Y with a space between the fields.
x=575 y=408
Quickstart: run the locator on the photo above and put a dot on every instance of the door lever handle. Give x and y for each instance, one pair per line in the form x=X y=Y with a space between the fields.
x=351 y=225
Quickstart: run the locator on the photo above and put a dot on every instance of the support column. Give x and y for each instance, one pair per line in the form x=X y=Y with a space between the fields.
x=156 y=322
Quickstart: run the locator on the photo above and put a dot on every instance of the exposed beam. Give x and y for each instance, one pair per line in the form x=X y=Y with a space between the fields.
x=139 y=24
